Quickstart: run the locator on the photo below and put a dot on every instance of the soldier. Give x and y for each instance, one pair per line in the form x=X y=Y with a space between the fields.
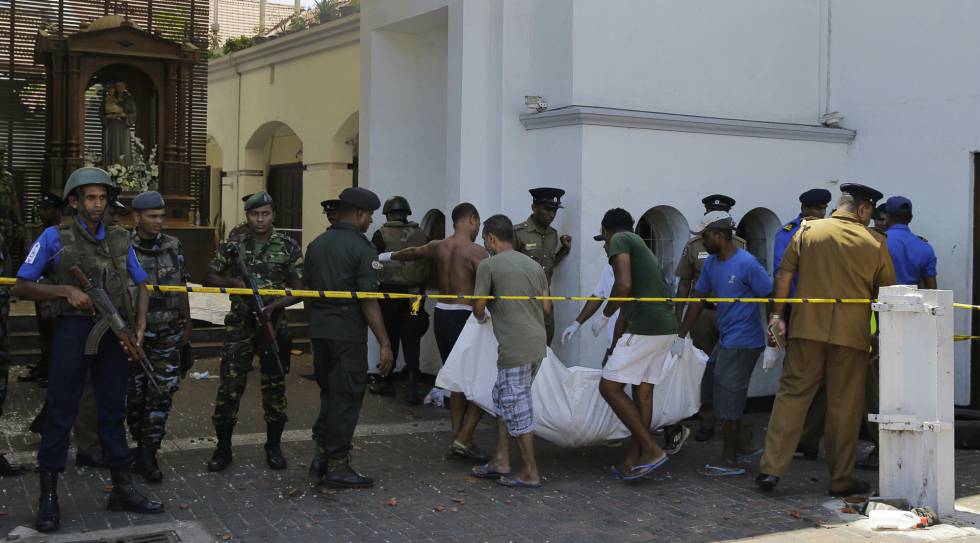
x=168 y=329
x=331 y=208
x=115 y=212
x=11 y=221
x=6 y=468
x=342 y=259
x=407 y=278
x=105 y=255
x=537 y=239
x=241 y=227
x=705 y=331
x=838 y=257
x=274 y=260
x=49 y=208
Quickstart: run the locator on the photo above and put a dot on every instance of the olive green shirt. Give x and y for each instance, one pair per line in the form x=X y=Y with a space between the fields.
x=340 y=259
x=518 y=325
x=541 y=243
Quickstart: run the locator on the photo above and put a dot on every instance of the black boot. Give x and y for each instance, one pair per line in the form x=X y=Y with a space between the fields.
x=147 y=462
x=318 y=469
x=6 y=468
x=48 y=514
x=125 y=497
x=340 y=474
x=221 y=458
x=273 y=445
x=413 y=388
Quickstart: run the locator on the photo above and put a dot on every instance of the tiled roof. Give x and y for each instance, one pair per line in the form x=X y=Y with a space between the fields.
x=241 y=17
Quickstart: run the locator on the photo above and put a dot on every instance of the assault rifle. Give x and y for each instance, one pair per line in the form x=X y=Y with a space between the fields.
x=258 y=307
x=110 y=319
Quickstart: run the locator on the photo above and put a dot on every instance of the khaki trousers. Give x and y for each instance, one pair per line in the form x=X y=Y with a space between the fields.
x=809 y=364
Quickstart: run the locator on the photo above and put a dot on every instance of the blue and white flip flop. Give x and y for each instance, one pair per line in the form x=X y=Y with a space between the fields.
x=642 y=470
x=516 y=483
x=720 y=471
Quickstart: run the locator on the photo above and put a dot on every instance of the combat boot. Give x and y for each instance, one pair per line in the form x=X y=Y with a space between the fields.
x=48 y=514
x=148 y=467
x=273 y=445
x=125 y=497
x=221 y=458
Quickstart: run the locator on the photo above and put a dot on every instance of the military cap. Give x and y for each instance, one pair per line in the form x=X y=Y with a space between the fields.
x=548 y=197
x=879 y=213
x=88 y=175
x=898 y=204
x=715 y=219
x=148 y=200
x=259 y=199
x=815 y=197
x=862 y=192
x=247 y=196
x=360 y=198
x=51 y=199
x=718 y=202
x=331 y=205
x=117 y=205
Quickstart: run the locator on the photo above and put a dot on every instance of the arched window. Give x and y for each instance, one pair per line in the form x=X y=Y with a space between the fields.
x=665 y=231
x=758 y=228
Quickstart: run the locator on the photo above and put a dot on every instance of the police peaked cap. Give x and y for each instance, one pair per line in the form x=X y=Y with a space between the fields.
x=862 y=192
x=331 y=205
x=815 y=197
x=360 y=198
x=258 y=199
x=548 y=197
x=117 y=205
x=148 y=200
x=718 y=202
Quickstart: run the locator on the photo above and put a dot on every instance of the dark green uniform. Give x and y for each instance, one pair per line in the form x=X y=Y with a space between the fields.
x=276 y=263
x=340 y=259
x=541 y=243
x=4 y=340
x=163 y=260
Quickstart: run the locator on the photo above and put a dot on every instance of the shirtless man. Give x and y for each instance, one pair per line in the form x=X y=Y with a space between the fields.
x=456 y=259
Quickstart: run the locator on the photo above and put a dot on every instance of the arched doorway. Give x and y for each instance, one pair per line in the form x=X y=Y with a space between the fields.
x=665 y=231
x=277 y=150
x=758 y=228
x=348 y=135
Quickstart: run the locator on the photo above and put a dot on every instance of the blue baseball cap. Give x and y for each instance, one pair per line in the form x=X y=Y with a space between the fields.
x=898 y=204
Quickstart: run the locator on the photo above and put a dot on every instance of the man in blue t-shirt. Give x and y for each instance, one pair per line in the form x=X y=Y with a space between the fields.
x=730 y=272
x=913 y=257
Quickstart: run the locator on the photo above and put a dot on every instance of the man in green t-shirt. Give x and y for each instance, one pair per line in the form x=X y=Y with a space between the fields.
x=642 y=342
x=520 y=331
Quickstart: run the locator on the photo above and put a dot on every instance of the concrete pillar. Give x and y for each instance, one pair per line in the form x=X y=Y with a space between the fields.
x=916 y=398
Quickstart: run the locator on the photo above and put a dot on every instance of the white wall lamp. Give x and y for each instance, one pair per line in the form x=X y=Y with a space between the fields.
x=537 y=103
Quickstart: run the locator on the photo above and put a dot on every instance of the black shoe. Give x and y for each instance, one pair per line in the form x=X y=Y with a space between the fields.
x=318 y=469
x=382 y=388
x=274 y=457
x=147 y=465
x=413 y=397
x=675 y=437
x=806 y=452
x=856 y=488
x=704 y=434
x=125 y=497
x=89 y=461
x=766 y=482
x=8 y=469
x=344 y=476
x=220 y=460
x=48 y=513
x=870 y=462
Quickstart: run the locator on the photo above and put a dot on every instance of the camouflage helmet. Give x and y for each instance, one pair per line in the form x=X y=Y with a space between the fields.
x=396 y=203
x=88 y=175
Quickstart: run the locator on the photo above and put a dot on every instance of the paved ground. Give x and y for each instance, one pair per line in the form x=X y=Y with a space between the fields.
x=422 y=497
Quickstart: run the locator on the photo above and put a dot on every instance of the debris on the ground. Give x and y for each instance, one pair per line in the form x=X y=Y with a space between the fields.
x=440 y=508
x=296 y=492
x=392 y=502
x=460 y=500
x=453 y=509
x=796 y=514
x=22 y=532
x=107 y=488
x=226 y=536
x=295 y=352
x=849 y=510
x=184 y=506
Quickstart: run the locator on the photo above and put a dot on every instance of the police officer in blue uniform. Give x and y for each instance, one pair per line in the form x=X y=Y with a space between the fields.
x=914 y=259
x=813 y=205
x=105 y=254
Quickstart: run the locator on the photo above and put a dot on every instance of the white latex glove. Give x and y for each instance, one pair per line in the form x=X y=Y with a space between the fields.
x=570 y=331
x=770 y=358
x=678 y=346
x=599 y=324
x=384 y=257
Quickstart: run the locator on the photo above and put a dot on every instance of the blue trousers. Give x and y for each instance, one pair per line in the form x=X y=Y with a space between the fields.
x=66 y=379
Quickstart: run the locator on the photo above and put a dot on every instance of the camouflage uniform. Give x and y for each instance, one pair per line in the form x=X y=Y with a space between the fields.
x=277 y=263
x=12 y=232
x=4 y=339
x=146 y=410
x=238 y=231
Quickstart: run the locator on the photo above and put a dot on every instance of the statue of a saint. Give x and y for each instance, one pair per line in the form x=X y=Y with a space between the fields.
x=118 y=115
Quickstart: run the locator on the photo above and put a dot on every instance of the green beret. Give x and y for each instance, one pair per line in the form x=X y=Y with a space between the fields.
x=258 y=199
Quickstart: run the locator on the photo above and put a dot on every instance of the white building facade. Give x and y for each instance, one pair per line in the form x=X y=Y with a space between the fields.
x=653 y=104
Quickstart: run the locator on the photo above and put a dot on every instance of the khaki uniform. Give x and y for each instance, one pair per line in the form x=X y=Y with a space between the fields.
x=828 y=343
x=541 y=243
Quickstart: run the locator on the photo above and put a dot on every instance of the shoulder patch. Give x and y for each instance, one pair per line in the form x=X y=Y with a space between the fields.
x=789 y=227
